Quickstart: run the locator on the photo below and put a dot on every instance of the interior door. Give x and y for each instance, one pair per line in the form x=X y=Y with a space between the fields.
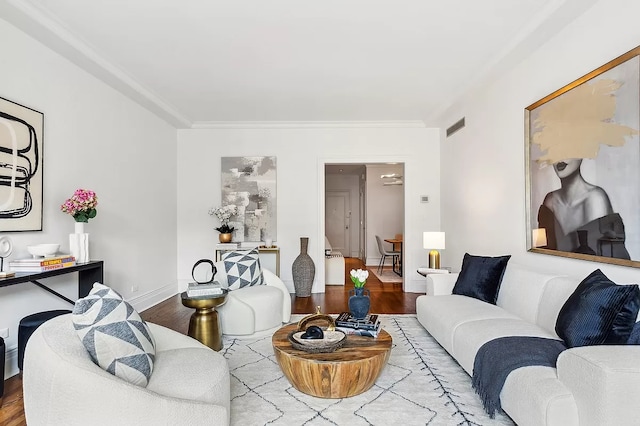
x=337 y=219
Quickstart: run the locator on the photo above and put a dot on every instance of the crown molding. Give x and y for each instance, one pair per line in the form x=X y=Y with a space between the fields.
x=306 y=124
x=35 y=20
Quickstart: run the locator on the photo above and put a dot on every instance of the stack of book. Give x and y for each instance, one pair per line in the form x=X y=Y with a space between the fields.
x=42 y=264
x=369 y=326
x=204 y=290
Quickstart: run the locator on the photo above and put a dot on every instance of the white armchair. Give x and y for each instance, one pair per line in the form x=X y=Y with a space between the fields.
x=62 y=385
x=254 y=311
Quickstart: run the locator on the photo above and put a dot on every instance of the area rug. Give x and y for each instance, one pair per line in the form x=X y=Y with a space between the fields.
x=420 y=385
x=387 y=276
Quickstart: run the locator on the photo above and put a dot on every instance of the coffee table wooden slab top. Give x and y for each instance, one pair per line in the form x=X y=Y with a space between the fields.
x=346 y=372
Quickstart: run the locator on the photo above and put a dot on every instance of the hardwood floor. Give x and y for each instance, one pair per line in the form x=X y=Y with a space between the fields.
x=385 y=299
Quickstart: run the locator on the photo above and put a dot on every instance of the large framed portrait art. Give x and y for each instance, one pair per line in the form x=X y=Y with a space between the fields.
x=583 y=166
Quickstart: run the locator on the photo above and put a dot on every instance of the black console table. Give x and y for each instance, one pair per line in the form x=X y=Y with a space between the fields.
x=88 y=273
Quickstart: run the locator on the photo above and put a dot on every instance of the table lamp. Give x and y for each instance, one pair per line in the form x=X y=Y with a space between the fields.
x=433 y=241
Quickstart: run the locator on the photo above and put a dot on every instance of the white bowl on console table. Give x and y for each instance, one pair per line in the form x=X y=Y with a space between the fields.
x=43 y=250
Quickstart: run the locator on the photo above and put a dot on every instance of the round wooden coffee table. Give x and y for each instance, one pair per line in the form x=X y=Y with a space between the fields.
x=204 y=324
x=346 y=372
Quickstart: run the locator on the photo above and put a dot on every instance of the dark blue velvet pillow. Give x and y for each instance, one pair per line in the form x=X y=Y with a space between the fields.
x=480 y=277
x=599 y=312
x=634 y=338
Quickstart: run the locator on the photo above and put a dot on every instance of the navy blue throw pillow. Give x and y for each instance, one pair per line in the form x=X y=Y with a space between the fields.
x=634 y=338
x=599 y=312
x=480 y=277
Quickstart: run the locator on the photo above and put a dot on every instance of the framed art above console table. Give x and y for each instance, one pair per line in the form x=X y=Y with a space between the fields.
x=249 y=183
x=583 y=166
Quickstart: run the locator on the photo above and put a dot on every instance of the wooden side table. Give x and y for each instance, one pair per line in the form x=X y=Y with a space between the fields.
x=204 y=324
x=346 y=372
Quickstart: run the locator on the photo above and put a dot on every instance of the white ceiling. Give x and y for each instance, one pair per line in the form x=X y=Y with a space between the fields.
x=202 y=63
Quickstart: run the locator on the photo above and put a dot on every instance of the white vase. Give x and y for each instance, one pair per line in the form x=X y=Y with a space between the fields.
x=79 y=243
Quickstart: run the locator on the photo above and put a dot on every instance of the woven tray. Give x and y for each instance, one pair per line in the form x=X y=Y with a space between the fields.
x=332 y=341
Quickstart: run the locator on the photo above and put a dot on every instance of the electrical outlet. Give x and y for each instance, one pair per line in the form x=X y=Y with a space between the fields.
x=4 y=333
x=134 y=288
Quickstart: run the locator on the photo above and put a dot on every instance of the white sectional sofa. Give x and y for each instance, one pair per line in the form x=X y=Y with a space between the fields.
x=592 y=385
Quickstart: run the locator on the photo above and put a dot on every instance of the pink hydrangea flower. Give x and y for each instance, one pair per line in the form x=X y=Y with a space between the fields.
x=82 y=205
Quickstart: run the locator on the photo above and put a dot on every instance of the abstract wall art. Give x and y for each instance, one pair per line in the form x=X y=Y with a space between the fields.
x=21 y=144
x=583 y=161
x=250 y=184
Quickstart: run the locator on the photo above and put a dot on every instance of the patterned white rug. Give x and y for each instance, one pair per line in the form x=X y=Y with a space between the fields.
x=421 y=385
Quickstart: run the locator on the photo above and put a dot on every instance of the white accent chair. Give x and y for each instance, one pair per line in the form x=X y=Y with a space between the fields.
x=254 y=311
x=394 y=255
x=333 y=265
x=62 y=386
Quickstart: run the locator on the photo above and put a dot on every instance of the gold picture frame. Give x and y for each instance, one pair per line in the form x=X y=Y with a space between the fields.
x=583 y=166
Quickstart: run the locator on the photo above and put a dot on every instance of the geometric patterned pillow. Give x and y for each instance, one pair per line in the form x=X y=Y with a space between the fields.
x=242 y=268
x=115 y=335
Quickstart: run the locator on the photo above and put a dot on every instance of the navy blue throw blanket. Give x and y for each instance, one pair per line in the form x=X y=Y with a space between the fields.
x=499 y=357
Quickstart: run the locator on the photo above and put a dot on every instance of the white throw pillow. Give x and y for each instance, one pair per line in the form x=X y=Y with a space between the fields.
x=242 y=268
x=114 y=334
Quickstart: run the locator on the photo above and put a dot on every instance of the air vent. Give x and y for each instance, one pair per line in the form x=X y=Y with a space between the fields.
x=457 y=126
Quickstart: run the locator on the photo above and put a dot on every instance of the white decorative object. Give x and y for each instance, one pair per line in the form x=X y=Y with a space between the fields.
x=6 y=248
x=43 y=250
x=79 y=243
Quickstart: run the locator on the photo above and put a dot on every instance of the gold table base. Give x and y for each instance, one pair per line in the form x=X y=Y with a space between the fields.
x=204 y=324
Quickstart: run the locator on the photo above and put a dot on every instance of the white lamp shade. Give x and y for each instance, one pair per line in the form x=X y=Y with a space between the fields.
x=539 y=237
x=433 y=240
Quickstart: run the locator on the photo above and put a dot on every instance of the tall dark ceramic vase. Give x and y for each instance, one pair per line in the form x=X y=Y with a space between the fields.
x=303 y=270
x=359 y=302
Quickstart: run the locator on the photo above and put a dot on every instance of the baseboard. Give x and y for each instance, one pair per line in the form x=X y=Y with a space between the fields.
x=11 y=362
x=415 y=286
x=375 y=261
x=154 y=297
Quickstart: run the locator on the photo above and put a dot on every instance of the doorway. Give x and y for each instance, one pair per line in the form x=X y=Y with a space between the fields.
x=361 y=201
x=344 y=208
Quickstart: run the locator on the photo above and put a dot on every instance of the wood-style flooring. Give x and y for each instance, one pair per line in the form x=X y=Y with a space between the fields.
x=385 y=299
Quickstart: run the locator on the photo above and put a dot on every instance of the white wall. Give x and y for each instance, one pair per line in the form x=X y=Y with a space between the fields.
x=483 y=168
x=384 y=209
x=94 y=138
x=350 y=184
x=301 y=155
